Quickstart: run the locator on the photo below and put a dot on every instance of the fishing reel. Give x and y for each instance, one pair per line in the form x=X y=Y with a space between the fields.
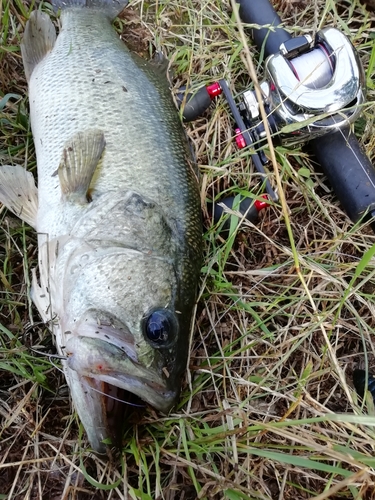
x=309 y=90
x=314 y=89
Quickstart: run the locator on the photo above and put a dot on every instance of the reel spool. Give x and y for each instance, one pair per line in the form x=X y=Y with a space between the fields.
x=320 y=88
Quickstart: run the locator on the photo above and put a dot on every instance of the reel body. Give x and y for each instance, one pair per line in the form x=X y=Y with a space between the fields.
x=309 y=89
x=320 y=88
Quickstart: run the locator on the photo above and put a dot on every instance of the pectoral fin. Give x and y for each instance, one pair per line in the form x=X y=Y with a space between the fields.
x=80 y=158
x=38 y=40
x=19 y=193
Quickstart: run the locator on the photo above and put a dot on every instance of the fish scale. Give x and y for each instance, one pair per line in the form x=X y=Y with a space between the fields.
x=117 y=213
x=140 y=124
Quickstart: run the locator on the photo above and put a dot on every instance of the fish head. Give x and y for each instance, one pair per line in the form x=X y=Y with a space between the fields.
x=127 y=331
x=122 y=287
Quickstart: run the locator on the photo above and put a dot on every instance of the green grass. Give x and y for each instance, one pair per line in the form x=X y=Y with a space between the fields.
x=268 y=409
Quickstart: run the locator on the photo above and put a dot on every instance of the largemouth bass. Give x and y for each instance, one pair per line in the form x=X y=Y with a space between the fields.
x=116 y=210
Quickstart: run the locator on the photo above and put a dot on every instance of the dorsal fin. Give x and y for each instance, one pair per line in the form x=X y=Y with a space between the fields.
x=38 y=40
x=110 y=8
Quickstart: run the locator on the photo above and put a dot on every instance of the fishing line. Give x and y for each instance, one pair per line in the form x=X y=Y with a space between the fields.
x=321 y=72
x=57 y=367
x=355 y=155
x=29 y=328
x=50 y=356
x=117 y=399
x=64 y=358
x=321 y=62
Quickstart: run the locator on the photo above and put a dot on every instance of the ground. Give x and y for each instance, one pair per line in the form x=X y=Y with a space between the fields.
x=268 y=409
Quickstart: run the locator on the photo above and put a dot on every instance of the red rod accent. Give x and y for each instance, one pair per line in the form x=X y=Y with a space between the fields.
x=259 y=205
x=214 y=89
x=240 y=140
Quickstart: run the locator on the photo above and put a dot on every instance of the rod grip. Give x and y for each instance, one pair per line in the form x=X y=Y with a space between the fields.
x=349 y=171
x=262 y=13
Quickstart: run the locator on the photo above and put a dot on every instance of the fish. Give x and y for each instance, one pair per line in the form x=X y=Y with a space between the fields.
x=117 y=214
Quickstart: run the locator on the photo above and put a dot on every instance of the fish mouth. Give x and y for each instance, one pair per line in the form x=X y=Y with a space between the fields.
x=104 y=380
x=118 y=406
x=106 y=362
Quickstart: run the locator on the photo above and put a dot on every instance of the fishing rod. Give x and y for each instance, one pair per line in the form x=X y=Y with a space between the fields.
x=313 y=90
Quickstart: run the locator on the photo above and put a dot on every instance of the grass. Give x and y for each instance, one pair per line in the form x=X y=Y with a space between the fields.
x=268 y=409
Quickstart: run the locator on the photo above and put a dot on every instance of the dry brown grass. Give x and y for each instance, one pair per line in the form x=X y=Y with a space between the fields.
x=268 y=410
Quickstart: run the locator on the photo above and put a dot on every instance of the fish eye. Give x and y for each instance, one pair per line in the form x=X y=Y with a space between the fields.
x=160 y=327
